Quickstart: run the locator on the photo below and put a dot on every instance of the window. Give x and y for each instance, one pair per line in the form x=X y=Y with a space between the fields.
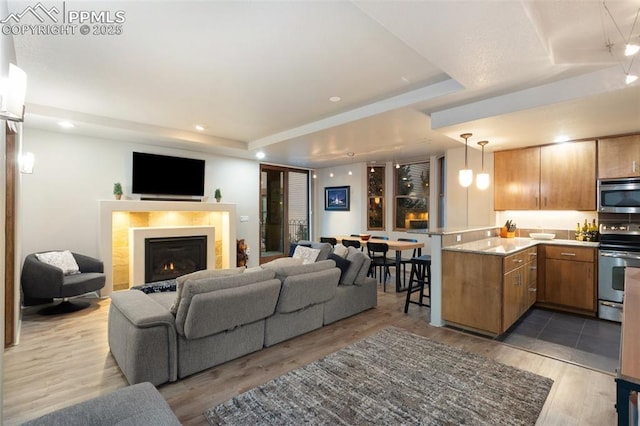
x=375 y=214
x=411 y=210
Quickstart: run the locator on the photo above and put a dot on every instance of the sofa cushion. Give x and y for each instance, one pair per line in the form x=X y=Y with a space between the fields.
x=206 y=273
x=342 y=264
x=282 y=272
x=307 y=254
x=357 y=258
x=304 y=290
x=364 y=271
x=194 y=287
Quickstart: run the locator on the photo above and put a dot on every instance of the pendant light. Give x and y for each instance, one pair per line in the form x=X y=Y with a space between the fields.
x=350 y=155
x=465 y=176
x=482 y=178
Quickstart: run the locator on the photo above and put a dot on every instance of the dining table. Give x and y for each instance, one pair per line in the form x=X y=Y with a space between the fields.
x=396 y=245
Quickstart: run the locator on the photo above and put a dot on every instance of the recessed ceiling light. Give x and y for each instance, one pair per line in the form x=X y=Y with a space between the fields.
x=199 y=127
x=335 y=99
x=259 y=155
x=66 y=124
x=561 y=138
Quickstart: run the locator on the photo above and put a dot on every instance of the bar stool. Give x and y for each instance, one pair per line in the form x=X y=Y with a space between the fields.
x=421 y=276
x=404 y=261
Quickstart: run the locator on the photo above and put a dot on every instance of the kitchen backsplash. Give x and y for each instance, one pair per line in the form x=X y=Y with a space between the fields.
x=556 y=222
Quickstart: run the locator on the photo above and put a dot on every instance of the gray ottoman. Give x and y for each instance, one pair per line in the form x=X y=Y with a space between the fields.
x=139 y=404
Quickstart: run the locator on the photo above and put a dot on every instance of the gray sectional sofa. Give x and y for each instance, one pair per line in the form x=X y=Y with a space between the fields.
x=220 y=315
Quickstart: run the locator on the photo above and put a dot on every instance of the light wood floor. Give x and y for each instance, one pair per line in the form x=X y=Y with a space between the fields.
x=62 y=360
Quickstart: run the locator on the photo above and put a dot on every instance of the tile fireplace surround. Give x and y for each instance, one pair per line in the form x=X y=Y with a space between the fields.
x=118 y=217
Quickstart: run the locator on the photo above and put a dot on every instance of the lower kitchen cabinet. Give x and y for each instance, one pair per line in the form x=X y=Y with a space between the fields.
x=570 y=278
x=488 y=293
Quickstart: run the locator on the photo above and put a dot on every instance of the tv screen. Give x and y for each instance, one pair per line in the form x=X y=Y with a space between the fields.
x=164 y=175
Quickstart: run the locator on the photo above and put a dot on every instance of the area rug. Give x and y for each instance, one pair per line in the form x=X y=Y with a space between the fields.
x=392 y=377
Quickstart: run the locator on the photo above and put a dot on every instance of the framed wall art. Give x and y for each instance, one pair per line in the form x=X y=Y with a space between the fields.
x=336 y=198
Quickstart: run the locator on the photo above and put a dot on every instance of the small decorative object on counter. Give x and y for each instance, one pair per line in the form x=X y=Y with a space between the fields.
x=117 y=190
x=508 y=230
x=587 y=232
x=218 y=195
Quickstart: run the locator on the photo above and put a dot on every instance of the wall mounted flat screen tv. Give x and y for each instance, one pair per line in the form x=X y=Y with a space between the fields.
x=165 y=175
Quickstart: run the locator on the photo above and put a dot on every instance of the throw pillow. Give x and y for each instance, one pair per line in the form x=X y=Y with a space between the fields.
x=308 y=255
x=293 y=246
x=156 y=287
x=60 y=259
x=341 y=251
x=206 y=273
x=341 y=263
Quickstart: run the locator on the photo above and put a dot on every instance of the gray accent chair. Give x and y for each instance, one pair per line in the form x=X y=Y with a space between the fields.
x=41 y=283
x=135 y=405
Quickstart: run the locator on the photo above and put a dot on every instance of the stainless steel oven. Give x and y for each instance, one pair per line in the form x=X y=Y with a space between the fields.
x=619 y=248
x=619 y=195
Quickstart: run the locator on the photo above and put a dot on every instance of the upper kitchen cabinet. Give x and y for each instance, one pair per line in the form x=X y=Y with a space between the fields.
x=517 y=179
x=619 y=157
x=552 y=177
x=568 y=176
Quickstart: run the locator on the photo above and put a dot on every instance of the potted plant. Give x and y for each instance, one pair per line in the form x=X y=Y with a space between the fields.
x=218 y=195
x=117 y=190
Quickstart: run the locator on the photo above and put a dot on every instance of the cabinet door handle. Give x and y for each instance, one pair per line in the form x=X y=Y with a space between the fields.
x=518 y=260
x=567 y=254
x=533 y=254
x=545 y=201
x=533 y=290
x=536 y=201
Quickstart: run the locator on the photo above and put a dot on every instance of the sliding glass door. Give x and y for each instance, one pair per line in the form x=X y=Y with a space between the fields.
x=284 y=210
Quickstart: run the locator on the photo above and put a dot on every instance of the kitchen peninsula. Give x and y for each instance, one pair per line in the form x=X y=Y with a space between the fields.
x=488 y=284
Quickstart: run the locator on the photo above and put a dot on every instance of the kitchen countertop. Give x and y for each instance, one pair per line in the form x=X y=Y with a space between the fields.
x=505 y=246
x=448 y=231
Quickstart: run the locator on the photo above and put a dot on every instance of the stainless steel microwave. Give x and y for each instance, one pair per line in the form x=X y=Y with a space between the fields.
x=619 y=195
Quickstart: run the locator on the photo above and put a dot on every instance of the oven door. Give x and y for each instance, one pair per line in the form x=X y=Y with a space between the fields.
x=611 y=267
x=619 y=195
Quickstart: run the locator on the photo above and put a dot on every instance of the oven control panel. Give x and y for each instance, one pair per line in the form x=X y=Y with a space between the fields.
x=622 y=228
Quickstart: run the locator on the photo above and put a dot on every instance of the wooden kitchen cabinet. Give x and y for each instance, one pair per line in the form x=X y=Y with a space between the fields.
x=487 y=293
x=516 y=177
x=619 y=157
x=568 y=176
x=552 y=177
x=570 y=278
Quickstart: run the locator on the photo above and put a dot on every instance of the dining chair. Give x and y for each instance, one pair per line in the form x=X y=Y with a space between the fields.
x=404 y=261
x=351 y=243
x=379 y=262
x=329 y=240
x=380 y=237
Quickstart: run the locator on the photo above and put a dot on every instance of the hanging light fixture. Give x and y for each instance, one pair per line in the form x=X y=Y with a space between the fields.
x=350 y=155
x=630 y=49
x=482 y=178
x=465 y=176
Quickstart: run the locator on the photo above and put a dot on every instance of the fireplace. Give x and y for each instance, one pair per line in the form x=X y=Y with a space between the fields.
x=167 y=258
x=174 y=252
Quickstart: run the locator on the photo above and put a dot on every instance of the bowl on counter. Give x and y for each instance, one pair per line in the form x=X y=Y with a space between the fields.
x=365 y=237
x=542 y=236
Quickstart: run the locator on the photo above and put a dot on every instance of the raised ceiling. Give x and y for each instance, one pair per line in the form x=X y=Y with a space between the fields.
x=411 y=76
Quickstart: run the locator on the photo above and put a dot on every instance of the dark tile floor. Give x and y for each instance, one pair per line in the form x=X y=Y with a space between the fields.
x=586 y=341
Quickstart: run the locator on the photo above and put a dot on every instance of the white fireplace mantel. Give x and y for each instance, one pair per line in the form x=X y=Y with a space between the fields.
x=226 y=232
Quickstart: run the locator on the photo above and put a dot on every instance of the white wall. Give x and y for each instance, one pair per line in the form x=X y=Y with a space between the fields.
x=331 y=223
x=468 y=206
x=60 y=199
